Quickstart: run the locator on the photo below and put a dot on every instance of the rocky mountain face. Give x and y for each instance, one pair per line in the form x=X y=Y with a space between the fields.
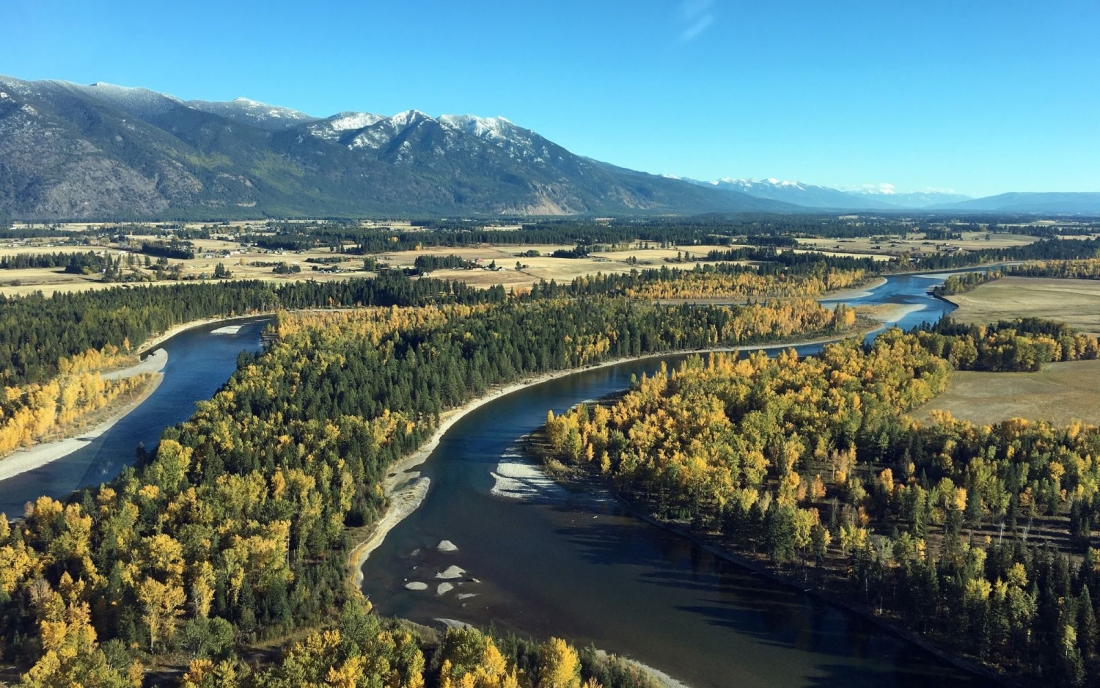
x=110 y=152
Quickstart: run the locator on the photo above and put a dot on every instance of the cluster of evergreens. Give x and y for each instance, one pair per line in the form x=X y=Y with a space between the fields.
x=79 y=262
x=428 y=263
x=816 y=460
x=962 y=283
x=727 y=280
x=180 y=250
x=36 y=332
x=739 y=281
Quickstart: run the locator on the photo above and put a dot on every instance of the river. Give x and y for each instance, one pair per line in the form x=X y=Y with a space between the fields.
x=558 y=564
x=578 y=567
x=198 y=364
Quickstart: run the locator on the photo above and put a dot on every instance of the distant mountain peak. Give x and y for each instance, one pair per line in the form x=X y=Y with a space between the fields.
x=348 y=121
x=479 y=126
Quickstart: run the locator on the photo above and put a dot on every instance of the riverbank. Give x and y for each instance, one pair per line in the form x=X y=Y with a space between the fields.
x=30 y=458
x=41 y=454
x=154 y=342
x=760 y=568
x=854 y=292
x=407 y=489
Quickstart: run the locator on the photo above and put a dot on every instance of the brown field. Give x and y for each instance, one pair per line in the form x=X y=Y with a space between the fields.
x=1076 y=302
x=1060 y=393
x=242 y=263
x=915 y=242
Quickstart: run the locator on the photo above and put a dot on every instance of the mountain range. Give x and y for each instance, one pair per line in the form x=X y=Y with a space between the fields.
x=823 y=197
x=70 y=151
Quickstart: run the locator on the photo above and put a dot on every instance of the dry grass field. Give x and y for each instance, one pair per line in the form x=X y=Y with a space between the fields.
x=1060 y=393
x=1076 y=302
x=916 y=243
x=255 y=263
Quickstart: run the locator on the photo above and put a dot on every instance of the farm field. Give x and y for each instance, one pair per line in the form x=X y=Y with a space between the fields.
x=256 y=263
x=1060 y=393
x=1076 y=302
x=917 y=243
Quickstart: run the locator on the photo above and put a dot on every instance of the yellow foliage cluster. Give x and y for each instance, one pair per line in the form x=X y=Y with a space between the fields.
x=744 y=285
x=30 y=412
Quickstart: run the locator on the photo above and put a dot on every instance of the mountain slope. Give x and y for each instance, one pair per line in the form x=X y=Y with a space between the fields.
x=101 y=151
x=801 y=194
x=1083 y=203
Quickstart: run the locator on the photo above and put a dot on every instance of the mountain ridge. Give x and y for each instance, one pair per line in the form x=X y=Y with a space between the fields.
x=73 y=152
x=101 y=151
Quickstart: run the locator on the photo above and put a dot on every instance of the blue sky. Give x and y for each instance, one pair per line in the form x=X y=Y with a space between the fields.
x=979 y=96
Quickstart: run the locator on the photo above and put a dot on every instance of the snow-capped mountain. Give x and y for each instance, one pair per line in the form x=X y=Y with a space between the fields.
x=799 y=193
x=262 y=115
x=869 y=197
x=910 y=199
x=103 y=151
x=140 y=102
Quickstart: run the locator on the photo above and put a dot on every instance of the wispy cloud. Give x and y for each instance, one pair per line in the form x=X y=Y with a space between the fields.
x=695 y=17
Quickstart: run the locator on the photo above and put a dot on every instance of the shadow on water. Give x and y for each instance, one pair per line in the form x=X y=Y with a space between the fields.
x=582 y=569
x=198 y=364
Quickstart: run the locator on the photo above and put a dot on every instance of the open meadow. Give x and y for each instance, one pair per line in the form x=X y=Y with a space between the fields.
x=1076 y=302
x=1059 y=393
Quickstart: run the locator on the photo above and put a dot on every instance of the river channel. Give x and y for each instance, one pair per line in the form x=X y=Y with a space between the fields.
x=578 y=567
x=557 y=563
x=199 y=362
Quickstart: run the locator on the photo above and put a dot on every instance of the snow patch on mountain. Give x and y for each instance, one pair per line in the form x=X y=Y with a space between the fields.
x=347 y=121
x=481 y=127
x=140 y=102
x=757 y=183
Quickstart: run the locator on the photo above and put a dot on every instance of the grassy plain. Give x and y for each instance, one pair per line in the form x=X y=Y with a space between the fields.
x=256 y=263
x=1059 y=393
x=1076 y=302
x=915 y=242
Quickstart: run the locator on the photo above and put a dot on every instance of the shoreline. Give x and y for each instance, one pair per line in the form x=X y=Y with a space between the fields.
x=153 y=342
x=41 y=454
x=29 y=458
x=761 y=569
x=407 y=491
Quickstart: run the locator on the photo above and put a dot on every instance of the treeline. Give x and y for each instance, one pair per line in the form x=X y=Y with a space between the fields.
x=76 y=262
x=428 y=263
x=815 y=460
x=1024 y=344
x=363 y=650
x=1066 y=269
x=969 y=281
x=1044 y=249
x=236 y=525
